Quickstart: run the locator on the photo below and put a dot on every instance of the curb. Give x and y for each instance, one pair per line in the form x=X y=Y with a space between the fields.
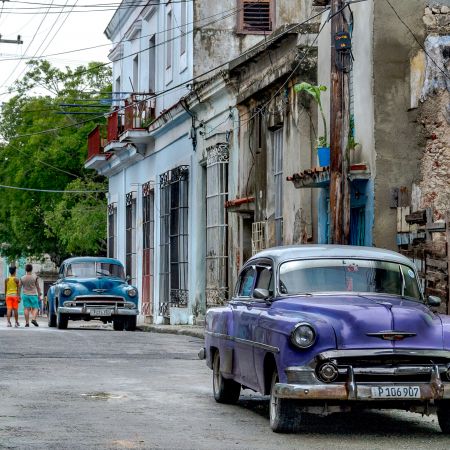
x=197 y=332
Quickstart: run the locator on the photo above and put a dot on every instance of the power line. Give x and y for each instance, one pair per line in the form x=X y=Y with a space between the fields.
x=17 y=65
x=84 y=8
x=445 y=73
x=50 y=41
x=56 y=191
x=122 y=40
x=181 y=85
x=230 y=11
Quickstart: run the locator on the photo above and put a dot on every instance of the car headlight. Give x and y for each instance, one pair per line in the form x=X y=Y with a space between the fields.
x=303 y=335
x=132 y=292
x=67 y=292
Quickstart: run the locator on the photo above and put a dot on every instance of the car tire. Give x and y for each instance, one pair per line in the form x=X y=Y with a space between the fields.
x=61 y=321
x=51 y=319
x=118 y=324
x=283 y=415
x=225 y=391
x=443 y=415
x=130 y=323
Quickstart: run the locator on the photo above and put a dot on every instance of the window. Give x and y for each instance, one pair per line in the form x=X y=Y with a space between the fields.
x=183 y=28
x=169 y=36
x=256 y=17
x=112 y=230
x=152 y=64
x=247 y=280
x=348 y=275
x=216 y=225
x=174 y=239
x=277 y=165
x=135 y=87
x=117 y=92
x=183 y=36
x=94 y=270
x=148 y=228
x=130 y=236
x=265 y=279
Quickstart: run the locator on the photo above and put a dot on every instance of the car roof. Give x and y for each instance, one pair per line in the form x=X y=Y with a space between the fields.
x=102 y=259
x=311 y=251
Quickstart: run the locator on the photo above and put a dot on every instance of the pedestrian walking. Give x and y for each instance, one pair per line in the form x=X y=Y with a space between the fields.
x=31 y=292
x=12 y=297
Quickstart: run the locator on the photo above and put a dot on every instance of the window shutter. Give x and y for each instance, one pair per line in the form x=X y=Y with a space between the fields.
x=256 y=16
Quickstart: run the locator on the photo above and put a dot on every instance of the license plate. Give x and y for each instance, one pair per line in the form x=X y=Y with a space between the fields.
x=100 y=312
x=396 y=392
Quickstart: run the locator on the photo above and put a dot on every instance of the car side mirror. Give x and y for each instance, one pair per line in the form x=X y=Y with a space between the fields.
x=261 y=294
x=434 y=301
x=128 y=279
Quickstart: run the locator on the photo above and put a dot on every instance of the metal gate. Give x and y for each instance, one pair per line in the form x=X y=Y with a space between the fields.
x=148 y=239
x=173 y=273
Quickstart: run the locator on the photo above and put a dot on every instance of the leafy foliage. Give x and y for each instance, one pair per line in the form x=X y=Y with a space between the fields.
x=33 y=223
x=315 y=92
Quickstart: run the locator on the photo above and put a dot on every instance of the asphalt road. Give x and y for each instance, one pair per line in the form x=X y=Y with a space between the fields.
x=87 y=388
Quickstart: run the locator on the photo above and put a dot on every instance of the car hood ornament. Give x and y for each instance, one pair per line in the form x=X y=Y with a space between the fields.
x=391 y=335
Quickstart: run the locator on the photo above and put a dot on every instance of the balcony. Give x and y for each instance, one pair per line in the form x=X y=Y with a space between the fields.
x=125 y=135
x=96 y=144
x=129 y=121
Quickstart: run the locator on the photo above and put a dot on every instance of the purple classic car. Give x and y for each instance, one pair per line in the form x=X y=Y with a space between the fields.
x=324 y=329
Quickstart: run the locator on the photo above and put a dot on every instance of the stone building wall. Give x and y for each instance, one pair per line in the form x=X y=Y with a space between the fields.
x=434 y=114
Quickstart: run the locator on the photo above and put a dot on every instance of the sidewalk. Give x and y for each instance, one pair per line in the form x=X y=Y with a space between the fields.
x=188 y=330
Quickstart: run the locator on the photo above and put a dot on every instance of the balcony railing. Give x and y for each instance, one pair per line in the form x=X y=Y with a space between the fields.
x=95 y=146
x=139 y=111
x=134 y=113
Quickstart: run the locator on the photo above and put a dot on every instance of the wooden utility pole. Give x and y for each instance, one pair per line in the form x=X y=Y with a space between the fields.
x=339 y=123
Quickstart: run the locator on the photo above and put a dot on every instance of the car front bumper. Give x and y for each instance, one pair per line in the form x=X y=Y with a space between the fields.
x=311 y=388
x=88 y=311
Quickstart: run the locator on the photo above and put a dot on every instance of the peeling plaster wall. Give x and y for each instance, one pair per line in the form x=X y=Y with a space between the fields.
x=433 y=189
x=218 y=43
x=397 y=134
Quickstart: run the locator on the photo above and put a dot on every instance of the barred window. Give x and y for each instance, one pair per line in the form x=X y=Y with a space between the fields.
x=173 y=275
x=112 y=230
x=130 y=233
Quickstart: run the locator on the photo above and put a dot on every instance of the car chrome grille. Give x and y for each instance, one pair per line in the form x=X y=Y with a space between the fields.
x=98 y=301
x=401 y=368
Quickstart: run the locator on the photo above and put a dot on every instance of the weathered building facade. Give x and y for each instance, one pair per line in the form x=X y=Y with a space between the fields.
x=156 y=209
x=399 y=116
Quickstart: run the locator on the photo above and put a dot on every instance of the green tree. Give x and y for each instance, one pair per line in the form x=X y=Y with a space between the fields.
x=34 y=222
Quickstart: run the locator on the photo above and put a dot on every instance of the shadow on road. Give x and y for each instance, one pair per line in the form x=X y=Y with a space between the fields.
x=363 y=423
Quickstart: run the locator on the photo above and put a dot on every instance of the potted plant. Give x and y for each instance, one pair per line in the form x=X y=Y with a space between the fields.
x=323 y=149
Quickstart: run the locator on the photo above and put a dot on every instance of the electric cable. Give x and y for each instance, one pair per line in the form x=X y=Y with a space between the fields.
x=179 y=86
x=3 y=186
x=444 y=72
x=231 y=12
x=17 y=65
x=50 y=41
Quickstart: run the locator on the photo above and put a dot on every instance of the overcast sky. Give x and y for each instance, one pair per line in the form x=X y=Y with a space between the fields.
x=44 y=31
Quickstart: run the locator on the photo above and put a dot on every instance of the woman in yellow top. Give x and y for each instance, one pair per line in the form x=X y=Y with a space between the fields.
x=12 y=296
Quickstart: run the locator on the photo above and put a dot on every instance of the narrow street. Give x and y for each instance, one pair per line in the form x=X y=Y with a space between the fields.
x=95 y=388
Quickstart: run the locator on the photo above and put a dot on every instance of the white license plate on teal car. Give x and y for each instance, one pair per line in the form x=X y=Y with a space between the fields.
x=100 y=312
x=393 y=392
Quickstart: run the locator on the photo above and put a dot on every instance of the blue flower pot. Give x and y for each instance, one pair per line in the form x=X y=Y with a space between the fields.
x=323 y=154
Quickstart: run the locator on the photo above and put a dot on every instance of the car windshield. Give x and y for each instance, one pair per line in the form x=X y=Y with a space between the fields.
x=348 y=275
x=94 y=269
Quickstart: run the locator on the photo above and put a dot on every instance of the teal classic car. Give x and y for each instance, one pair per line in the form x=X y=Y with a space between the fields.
x=92 y=288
